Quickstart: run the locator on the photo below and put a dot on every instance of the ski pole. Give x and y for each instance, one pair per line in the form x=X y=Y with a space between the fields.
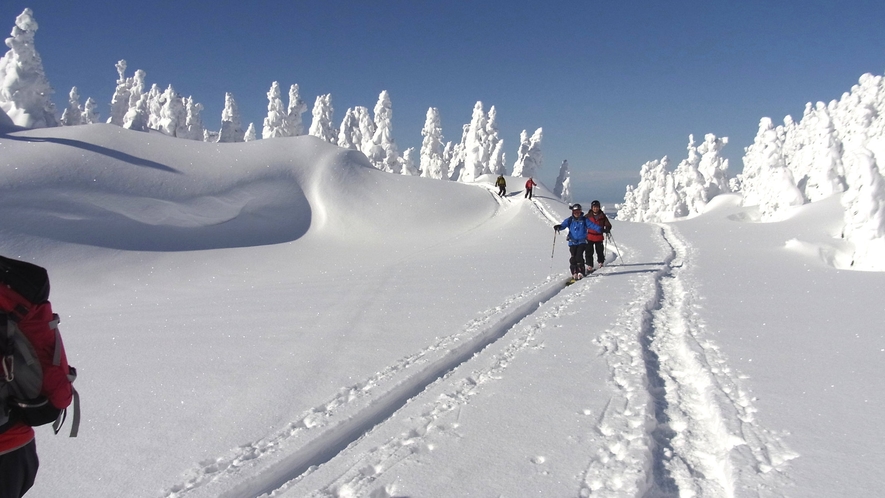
x=609 y=235
x=555 y=233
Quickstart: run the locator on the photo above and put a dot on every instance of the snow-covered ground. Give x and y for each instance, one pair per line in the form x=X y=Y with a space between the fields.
x=278 y=317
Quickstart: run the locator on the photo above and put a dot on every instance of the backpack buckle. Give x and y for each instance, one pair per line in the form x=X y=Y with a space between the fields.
x=8 y=368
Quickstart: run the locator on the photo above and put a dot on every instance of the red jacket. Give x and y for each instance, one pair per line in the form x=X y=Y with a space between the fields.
x=15 y=437
x=530 y=183
x=600 y=219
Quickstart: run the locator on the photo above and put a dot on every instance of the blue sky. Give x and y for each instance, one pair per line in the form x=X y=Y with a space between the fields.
x=613 y=84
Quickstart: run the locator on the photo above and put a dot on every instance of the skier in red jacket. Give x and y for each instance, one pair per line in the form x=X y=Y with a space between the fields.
x=528 y=188
x=596 y=238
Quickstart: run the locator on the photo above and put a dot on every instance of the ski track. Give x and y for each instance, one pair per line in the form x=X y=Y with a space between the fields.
x=680 y=422
x=320 y=433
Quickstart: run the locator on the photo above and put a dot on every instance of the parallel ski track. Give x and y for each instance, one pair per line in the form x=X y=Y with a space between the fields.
x=323 y=432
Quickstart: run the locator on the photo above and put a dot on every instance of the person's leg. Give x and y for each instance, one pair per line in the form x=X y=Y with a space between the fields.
x=573 y=260
x=18 y=469
x=600 y=253
x=582 y=267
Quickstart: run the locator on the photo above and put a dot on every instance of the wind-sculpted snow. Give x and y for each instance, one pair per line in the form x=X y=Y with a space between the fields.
x=109 y=187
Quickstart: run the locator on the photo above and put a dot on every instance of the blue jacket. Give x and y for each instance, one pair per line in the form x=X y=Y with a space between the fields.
x=577 y=229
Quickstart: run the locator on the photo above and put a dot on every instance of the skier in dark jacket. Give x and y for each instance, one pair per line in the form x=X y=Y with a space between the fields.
x=577 y=225
x=501 y=183
x=596 y=238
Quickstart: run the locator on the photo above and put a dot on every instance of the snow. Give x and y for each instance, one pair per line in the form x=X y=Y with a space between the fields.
x=279 y=316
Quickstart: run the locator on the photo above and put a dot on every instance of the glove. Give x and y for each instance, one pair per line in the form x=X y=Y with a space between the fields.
x=606 y=230
x=557 y=227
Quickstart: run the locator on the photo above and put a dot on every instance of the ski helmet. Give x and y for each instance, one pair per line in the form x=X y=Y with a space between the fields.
x=576 y=207
x=595 y=203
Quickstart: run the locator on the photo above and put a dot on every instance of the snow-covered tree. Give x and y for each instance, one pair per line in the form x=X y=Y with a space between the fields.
x=276 y=124
x=689 y=183
x=321 y=126
x=529 y=158
x=173 y=114
x=713 y=166
x=72 y=115
x=825 y=177
x=455 y=154
x=89 y=114
x=864 y=205
x=561 y=188
x=496 y=161
x=136 y=118
x=193 y=122
x=120 y=100
x=250 y=133
x=431 y=162
x=385 y=156
x=366 y=130
x=765 y=180
x=407 y=163
x=154 y=105
x=296 y=108
x=25 y=92
x=476 y=154
x=349 y=136
x=231 y=128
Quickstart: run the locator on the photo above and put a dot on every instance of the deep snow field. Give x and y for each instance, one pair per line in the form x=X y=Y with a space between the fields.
x=277 y=317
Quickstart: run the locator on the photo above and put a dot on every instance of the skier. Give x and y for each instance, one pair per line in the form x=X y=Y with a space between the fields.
x=596 y=238
x=528 y=188
x=577 y=225
x=501 y=183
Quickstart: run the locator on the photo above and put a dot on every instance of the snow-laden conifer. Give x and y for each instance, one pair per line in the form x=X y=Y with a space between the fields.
x=193 y=121
x=386 y=155
x=349 y=136
x=89 y=113
x=25 y=92
x=864 y=205
x=407 y=163
x=231 y=127
x=296 y=108
x=120 y=100
x=496 y=160
x=321 y=126
x=529 y=158
x=250 y=133
x=173 y=114
x=136 y=118
x=72 y=115
x=713 y=166
x=456 y=155
x=824 y=156
x=366 y=130
x=276 y=123
x=561 y=188
x=765 y=180
x=689 y=183
x=475 y=154
x=154 y=104
x=431 y=162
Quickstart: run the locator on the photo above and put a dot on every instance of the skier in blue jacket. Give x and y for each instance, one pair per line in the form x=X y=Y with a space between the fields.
x=577 y=225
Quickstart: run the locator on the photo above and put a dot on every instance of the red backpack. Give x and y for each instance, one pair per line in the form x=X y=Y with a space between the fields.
x=36 y=382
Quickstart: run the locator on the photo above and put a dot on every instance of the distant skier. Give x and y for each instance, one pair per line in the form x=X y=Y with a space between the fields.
x=577 y=225
x=596 y=238
x=528 y=188
x=501 y=183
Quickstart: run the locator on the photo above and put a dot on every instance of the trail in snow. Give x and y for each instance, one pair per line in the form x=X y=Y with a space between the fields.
x=679 y=422
x=712 y=443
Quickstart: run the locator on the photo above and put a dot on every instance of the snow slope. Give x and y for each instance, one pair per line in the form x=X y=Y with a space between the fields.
x=277 y=317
